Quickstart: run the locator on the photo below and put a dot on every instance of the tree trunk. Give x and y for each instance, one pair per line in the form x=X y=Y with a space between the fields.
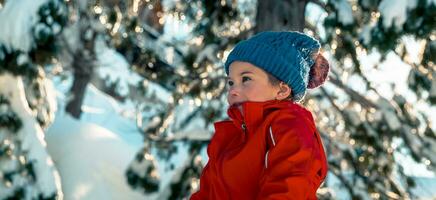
x=280 y=15
x=83 y=65
x=83 y=71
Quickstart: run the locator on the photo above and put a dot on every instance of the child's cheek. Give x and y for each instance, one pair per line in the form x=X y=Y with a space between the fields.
x=249 y=90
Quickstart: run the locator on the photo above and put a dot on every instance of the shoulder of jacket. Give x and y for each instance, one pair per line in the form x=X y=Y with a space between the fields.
x=289 y=119
x=293 y=114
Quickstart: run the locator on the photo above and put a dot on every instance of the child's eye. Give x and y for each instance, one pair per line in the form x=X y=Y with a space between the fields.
x=245 y=78
x=230 y=83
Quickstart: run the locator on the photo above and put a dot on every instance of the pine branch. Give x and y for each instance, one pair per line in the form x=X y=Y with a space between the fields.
x=353 y=94
x=311 y=27
x=335 y=169
x=320 y=4
x=67 y=46
x=331 y=100
x=154 y=34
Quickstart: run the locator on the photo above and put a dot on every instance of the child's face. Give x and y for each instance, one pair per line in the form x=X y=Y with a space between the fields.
x=247 y=82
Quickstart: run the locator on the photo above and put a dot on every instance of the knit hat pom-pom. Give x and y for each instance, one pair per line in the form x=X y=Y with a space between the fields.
x=318 y=72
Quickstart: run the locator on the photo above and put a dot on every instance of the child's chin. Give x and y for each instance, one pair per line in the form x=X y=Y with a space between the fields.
x=240 y=108
x=237 y=104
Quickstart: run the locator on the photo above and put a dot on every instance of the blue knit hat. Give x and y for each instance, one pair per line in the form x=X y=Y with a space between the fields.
x=288 y=56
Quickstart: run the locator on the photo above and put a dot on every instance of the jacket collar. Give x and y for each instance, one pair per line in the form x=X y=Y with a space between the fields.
x=254 y=112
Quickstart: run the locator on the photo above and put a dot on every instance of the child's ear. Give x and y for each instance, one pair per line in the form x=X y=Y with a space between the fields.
x=284 y=91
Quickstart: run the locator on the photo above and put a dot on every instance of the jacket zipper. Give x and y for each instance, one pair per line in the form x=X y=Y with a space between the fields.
x=244 y=127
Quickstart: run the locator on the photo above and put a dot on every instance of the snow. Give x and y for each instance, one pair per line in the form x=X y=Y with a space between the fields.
x=366 y=3
x=194 y=130
x=357 y=83
x=345 y=13
x=207 y=52
x=104 y=111
x=433 y=86
x=50 y=93
x=22 y=59
x=48 y=106
x=392 y=120
x=353 y=116
x=391 y=76
x=394 y=12
x=425 y=188
x=365 y=35
x=101 y=111
x=415 y=48
x=393 y=71
x=42 y=29
x=91 y=160
x=193 y=135
x=16 y=32
x=316 y=16
x=32 y=138
x=113 y=67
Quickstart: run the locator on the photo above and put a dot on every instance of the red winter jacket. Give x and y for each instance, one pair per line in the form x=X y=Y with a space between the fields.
x=272 y=151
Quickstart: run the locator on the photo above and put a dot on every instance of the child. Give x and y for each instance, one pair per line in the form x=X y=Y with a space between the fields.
x=270 y=149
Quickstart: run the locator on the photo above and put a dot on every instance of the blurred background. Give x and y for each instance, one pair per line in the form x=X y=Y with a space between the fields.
x=111 y=99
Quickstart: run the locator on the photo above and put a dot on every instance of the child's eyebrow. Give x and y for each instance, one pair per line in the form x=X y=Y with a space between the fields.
x=246 y=72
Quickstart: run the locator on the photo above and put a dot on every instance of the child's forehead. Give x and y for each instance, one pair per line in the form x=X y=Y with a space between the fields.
x=240 y=68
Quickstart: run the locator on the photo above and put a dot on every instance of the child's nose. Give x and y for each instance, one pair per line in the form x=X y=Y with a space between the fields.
x=233 y=91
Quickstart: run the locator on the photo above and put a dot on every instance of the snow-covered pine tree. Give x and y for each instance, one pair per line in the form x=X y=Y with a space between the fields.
x=27 y=102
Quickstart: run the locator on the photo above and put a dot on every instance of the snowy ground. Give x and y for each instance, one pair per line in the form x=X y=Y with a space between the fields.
x=91 y=160
x=92 y=154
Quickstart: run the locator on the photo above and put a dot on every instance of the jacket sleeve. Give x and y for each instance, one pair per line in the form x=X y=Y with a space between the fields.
x=288 y=160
